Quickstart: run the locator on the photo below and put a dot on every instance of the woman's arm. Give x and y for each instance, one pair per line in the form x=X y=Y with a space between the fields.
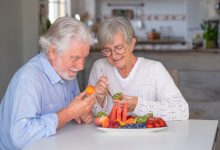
x=168 y=101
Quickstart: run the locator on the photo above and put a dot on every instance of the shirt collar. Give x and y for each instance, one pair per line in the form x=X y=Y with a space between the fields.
x=49 y=70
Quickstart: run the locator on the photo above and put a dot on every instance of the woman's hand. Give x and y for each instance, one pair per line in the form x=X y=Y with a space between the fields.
x=101 y=89
x=131 y=100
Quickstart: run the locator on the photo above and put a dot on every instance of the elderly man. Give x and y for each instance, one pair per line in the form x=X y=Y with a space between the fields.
x=44 y=95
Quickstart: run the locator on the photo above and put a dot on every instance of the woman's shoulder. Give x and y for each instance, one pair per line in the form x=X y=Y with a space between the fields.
x=102 y=62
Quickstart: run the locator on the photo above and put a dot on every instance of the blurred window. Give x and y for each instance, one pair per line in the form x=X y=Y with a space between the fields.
x=57 y=8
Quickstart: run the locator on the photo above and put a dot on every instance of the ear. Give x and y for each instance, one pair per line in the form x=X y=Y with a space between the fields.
x=133 y=42
x=52 y=52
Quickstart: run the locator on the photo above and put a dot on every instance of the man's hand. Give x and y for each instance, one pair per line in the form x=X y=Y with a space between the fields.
x=131 y=100
x=79 y=106
x=85 y=118
x=101 y=89
x=78 y=120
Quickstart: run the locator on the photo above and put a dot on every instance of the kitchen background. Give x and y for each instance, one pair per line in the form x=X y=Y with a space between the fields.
x=196 y=71
x=175 y=19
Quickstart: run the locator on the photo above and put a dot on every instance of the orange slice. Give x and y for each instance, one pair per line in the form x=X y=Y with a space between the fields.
x=90 y=90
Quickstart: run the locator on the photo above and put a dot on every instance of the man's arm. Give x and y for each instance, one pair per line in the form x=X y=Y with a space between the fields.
x=27 y=122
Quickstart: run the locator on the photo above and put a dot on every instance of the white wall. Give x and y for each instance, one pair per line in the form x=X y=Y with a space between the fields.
x=29 y=29
x=18 y=38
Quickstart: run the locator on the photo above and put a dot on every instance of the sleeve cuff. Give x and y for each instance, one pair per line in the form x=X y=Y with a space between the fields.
x=143 y=107
x=52 y=123
x=97 y=108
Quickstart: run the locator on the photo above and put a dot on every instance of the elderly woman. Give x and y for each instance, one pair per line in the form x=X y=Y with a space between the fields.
x=146 y=85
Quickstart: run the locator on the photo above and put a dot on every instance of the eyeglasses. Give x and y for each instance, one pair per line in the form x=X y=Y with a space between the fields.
x=119 y=49
x=73 y=59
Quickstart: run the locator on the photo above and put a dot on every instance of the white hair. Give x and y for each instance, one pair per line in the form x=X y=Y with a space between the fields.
x=112 y=26
x=63 y=30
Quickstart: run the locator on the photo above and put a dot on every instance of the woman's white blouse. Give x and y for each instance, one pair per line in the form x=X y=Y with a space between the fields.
x=150 y=82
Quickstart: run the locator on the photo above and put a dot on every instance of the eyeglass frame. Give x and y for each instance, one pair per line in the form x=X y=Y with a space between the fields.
x=73 y=59
x=115 y=50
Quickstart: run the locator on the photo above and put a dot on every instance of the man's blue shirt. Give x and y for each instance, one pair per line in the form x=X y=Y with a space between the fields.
x=34 y=96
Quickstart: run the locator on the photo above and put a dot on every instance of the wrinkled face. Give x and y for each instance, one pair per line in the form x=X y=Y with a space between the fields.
x=69 y=61
x=121 y=52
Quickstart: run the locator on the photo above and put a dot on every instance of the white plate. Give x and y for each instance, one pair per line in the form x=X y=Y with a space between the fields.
x=130 y=131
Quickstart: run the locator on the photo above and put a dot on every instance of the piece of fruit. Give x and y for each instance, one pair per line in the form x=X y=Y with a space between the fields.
x=117 y=96
x=149 y=115
x=151 y=120
x=101 y=121
x=113 y=124
x=141 y=119
x=101 y=113
x=90 y=90
x=161 y=122
x=149 y=126
x=121 y=124
x=118 y=112
x=124 y=112
x=130 y=116
x=156 y=124
x=105 y=123
x=130 y=121
x=113 y=114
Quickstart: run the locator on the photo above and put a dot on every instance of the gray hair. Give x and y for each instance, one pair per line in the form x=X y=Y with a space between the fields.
x=113 y=25
x=63 y=30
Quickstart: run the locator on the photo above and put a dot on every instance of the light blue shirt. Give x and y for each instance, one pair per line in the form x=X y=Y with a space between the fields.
x=34 y=96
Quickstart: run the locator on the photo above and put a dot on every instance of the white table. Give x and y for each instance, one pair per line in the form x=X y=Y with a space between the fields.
x=180 y=135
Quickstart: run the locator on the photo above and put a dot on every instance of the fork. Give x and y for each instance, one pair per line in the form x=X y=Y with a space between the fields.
x=107 y=89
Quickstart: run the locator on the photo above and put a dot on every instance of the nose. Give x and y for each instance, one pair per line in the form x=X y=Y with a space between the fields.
x=114 y=54
x=80 y=64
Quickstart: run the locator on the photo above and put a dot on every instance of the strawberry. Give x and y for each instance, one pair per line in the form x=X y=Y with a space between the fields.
x=151 y=120
x=161 y=122
x=156 y=124
x=111 y=124
x=115 y=125
x=149 y=125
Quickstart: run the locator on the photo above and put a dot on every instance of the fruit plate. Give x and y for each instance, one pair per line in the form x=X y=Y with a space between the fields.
x=130 y=131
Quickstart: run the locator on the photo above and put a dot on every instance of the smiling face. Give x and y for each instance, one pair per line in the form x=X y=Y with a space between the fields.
x=69 y=61
x=121 y=61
